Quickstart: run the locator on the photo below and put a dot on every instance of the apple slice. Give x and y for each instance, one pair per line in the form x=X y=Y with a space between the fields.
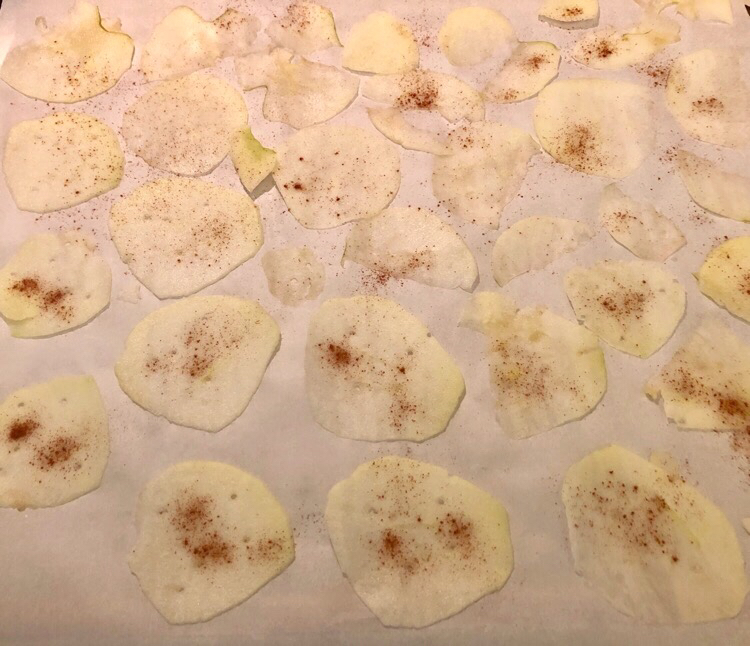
x=484 y=172
x=374 y=372
x=725 y=276
x=294 y=274
x=391 y=123
x=183 y=42
x=715 y=190
x=530 y=68
x=299 y=93
x=73 y=61
x=570 y=14
x=412 y=242
x=471 y=35
x=417 y=544
x=252 y=161
x=633 y=306
x=305 y=28
x=381 y=44
x=649 y=543
x=596 y=126
x=638 y=226
x=704 y=10
x=533 y=243
x=708 y=97
x=55 y=443
x=706 y=384
x=545 y=371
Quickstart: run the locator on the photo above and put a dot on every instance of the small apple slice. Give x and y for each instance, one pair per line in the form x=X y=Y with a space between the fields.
x=638 y=226
x=725 y=276
x=305 y=28
x=530 y=68
x=715 y=190
x=294 y=274
x=704 y=10
x=252 y=161
x=570 y=14
x=533 y=243
x=381 y=44
x=412 y=242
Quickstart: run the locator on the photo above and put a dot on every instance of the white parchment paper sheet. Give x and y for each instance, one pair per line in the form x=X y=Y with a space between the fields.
x=63 y=572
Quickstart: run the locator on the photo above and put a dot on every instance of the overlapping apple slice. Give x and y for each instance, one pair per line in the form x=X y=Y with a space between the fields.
x=530 y=67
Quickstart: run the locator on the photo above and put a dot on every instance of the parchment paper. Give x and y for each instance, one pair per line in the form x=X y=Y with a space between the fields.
x=63 y=571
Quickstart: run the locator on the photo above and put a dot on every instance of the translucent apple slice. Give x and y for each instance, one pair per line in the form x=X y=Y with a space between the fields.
x=185 y=125
x=704 y=10
x=183 y=42
x=708 y=97
x=178 y=234
x=305 y=28
x=330 y=175
x=392 y=124
x=570 y=14
x=374 y=372
x=725 y=276
x=545 y=371
x=530 y=68
x=470 y=35
x=381 y=44
x=485 y=171
x=426 y=90
x=252 y=161
x=55 y=282
x=596 y=126
x=715 y=190
x=55 y=443
x=198 y=361
x=633 y=306
x=649 y=543
x=405 y=532
x=638 y=226
x=533 y=243
x=706 y=384
x=61 y=160
x=73 y=61
x=209 y=536
x=412 y=242
x=299 y=93
x=610 y=48
x=294 y=274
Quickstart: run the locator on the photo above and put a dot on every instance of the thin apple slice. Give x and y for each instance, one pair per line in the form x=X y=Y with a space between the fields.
x=570 y=14
x=294 y=275
x=725 y=276
x=470 y=35
x=531 y=67
x=305 y=28
x=252 y=161
x=381 y=44
x=392 y=124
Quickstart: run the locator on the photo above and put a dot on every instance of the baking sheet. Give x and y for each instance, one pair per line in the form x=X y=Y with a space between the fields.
x=63 y=571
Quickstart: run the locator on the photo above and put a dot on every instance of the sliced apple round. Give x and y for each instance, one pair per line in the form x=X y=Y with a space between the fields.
x=412 y=242
x=183 y=42
x=299 y=93
x=714 y=189
x=706 y=384
x=294 y=274
x=331 y=175
x=530 y=68
x=185 y=125
x=178 y=234
x=533 y=243
x=570 y=14
x=305 y=28
x=381 y=44
x=725 y=276
x=61 y=160
x=198 y=361
x=484 y=172
x=545 y=371
x=470 y=35
x=73 y=61
x=374 y=372
x=55 y=282
x=649 y=543
x=209 y=536
x=638 y=226
x=391 y=123
x=426 y=90
x=708 y=97
x=418 y=545
x=633 y=306
x=55 y=443
x=596 y=126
